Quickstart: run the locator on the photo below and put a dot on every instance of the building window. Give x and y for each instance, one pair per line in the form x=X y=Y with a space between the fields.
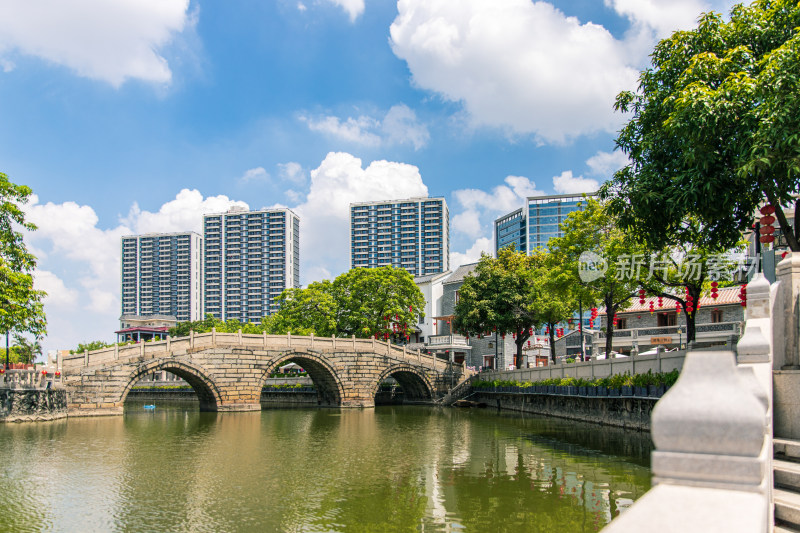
x=622 y=323
x=716 y=316
x=667 y=319
x=458 y=297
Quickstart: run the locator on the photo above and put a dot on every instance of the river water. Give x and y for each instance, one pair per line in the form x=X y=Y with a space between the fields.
x=394 y=468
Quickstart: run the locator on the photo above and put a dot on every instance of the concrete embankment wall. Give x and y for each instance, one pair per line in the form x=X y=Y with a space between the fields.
x=27 y=405
x=624 y=412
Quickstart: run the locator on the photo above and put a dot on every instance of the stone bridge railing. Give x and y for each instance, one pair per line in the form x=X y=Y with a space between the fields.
x=29 y=379
x=74 y=363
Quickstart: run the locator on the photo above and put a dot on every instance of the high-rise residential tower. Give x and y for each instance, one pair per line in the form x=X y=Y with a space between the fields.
x=162 y=274
x=532 y=226
x=249 y=258
x=413 y=234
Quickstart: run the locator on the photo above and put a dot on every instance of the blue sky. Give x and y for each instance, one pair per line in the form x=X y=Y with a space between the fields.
x=128 y=117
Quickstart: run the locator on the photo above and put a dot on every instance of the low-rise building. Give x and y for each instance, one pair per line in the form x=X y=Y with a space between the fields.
x=638 y=329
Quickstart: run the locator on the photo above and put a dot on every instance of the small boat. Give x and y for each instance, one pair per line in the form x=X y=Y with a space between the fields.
x=150 y=406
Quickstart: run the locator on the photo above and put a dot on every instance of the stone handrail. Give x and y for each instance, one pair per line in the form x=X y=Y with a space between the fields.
x=640 y=364
x=712 y=434
x=29 y=379
x=435 y=340
x=213 y=339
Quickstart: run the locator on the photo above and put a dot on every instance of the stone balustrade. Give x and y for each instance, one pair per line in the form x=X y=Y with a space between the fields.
x=712 y=464
x=30 y=379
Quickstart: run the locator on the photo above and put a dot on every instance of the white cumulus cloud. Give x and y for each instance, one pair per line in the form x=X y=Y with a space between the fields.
x=353 y=8
x=482 y=245
x=58 y=294
x=515 y=64
x=108 y=40
x=184 y=213
x=528 y=68
x=338 y=181
x=566 y=183
x=255 y=175
x=481 y=207
x=606 y=163
x=292 y=172
x=398 y=126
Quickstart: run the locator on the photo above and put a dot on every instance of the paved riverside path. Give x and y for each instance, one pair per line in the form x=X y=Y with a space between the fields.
x=228 y=370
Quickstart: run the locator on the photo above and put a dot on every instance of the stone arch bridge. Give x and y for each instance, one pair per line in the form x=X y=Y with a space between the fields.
x=228 y=370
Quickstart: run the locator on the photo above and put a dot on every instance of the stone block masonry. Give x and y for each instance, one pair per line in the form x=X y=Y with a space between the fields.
x=228 y=371
x=31 y=405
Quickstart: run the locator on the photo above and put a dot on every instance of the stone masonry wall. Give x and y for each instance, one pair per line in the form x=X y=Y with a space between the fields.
x=629 y=413
x=24 y=405
x=231 y=378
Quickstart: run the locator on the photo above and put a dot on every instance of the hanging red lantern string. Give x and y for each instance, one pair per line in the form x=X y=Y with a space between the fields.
x=641 y=296
x=661 y=301
x=652 y=308
x=714 y=293
x=767 y=230
x=743 y=295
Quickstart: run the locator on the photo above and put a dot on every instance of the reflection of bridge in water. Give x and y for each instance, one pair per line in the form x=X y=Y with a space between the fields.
x=228 y=370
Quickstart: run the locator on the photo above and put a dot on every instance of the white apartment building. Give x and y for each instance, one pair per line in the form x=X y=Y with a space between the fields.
x=249 y=258
x=162 y=274
x=413 y=234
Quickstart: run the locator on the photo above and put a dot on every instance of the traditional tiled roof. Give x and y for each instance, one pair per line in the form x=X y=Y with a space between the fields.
x=461 y=272
x=726 y=296
x=430 y=277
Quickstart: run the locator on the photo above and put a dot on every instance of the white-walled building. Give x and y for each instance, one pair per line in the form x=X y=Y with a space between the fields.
x=432 y=289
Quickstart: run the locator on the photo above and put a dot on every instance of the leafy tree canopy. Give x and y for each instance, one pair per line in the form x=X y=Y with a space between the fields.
x=502 y=293
x=715 y=130
x=21 y=307
x=593 y=233
x=362 y=302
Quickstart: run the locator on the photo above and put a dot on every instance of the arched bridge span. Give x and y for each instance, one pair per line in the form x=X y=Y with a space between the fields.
x=228 y=370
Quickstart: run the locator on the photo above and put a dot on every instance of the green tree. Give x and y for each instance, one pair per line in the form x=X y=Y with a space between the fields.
x=715 y=130
x=557 y=301
x=501 y=295
x=26 y=350
x=306 y=311
x=90 y=346
x=21 y=308
x=370 y=300
x=593 y=232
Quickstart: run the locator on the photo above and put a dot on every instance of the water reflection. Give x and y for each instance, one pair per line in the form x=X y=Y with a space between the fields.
x=394 y=468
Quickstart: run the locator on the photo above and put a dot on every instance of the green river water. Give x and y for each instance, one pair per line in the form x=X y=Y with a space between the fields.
x=392 y=468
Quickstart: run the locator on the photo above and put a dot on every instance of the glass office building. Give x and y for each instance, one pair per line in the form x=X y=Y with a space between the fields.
x=413 y=234
x=249 y=258
x=531 y=227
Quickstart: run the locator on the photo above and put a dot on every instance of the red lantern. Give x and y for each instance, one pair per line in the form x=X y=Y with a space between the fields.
x=767 y=210
x=661 y=301
x=44 y=372
x=714 y=293
x=652 y=308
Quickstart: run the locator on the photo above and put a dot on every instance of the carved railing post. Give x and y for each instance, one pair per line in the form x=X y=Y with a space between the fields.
x=333 y=342
x=169 y=344
x=116 y=355
x=354 y=343
x=239 y=335
x=191 y=338
x=265 y=339
x=710 y=458
x=85 y=357
x=214 y=336
x=289 y=338
x=312 y=342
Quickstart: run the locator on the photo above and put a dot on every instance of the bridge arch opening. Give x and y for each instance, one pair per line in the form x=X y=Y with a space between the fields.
x=403 y=384
x=322 y=375
x=149 y=380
